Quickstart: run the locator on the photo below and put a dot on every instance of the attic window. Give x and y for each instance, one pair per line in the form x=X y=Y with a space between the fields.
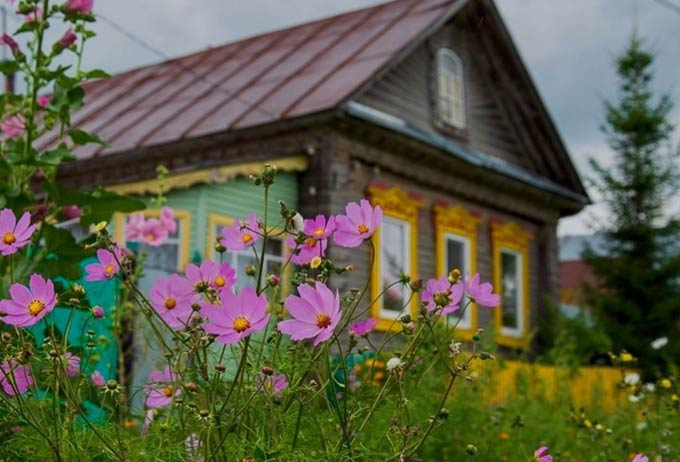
x=450 y=89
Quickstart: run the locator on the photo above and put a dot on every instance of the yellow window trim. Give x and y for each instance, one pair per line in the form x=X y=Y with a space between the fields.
x=209 y=175
x=512 y=237
x=459 y=221
x=183 y=218
x=215 y=219
x=395 y=203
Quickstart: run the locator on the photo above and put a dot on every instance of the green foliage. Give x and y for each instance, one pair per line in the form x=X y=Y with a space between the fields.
x=638 y=298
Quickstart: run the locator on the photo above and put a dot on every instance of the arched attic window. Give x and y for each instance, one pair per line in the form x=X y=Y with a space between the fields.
x=450 y=89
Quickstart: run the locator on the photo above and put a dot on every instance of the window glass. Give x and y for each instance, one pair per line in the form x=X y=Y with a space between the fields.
x=458 y=257
x=511 y=291
x=394 y=260
x=451 y=88
x=273 y=260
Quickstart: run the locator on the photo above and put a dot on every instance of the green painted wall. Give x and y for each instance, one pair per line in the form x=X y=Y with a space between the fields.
x=236 y=199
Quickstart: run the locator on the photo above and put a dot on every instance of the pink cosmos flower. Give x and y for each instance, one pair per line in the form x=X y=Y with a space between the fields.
x=15 y=378
x=13 y=126
x=640 y=458
x=133 y=226
x=315 y=313
x=237 y=316
x=11 y=43
x=541 y=455
x=72 y=364
x=162 y=388
x=241 y=235
x=362 y=328
x=440 y=294
x=172 y=299
x=80 y=6
x=68 y=39
x=305 y=252
x=98 y=379
x=148 y=418
x=107 y=267
x=272 y=385
x=152 y=232
x=43 y=102
x=97 y=312
x=35 y=15
x=482 y=294
x=319 y=228
x=167 y=219
x=358 y=225
x=14 y=235
x=211 y=274
x=28 y=306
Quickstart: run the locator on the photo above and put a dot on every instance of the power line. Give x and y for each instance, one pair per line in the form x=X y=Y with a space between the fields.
x=670 y=5
x=164 y=56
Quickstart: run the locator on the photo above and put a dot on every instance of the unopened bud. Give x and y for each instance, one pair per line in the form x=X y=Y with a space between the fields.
x=191 y=386
x=454 y=276
x=97 y=312
x=112 y=384
x=405 y=318
x=471 y=449
x=273 y=280
x=417 y=285
x=251 y=270
x=268 y=370
x=220 y=367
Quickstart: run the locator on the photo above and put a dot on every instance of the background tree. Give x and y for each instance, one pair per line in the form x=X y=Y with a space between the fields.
x=638 y=299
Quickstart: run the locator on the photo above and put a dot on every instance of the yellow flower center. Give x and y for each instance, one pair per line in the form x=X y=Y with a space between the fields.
x=363 y=229
x=109 y=270
x=316 y=262
x=246 y=238
x=9 y=238
x=319 y=232
x=35 y=307
x=167 y=391
x=323 y=321
x=170 y=303
x=220 y=281
x=149 y=237
x=241 y=324
x=310 y=243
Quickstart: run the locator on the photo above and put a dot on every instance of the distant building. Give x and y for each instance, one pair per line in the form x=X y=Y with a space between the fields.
x=423 y=106
x=574 y=272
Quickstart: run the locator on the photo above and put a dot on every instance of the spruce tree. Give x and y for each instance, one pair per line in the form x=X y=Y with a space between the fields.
x=638 y=296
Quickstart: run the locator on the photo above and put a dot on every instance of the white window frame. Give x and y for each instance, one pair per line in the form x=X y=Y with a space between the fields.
x=231 y=257
x=446 y=100
x=406 y=248
x=466 y=320
x=517 y=332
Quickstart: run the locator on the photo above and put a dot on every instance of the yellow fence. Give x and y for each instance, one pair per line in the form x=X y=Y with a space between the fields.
x=588 y=386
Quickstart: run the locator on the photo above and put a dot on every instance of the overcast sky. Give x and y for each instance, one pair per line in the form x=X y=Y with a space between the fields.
x=568 y=46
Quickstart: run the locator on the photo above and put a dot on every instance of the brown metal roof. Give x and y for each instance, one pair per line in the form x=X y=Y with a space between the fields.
x=262 y=79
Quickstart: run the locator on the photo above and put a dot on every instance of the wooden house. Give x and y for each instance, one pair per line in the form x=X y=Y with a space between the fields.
x=424 y=106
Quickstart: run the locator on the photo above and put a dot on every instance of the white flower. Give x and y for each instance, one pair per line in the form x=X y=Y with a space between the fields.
x=633 y=398
x=660 y=343
x=298 y=223
x=641 y=426
x=632 y=378
x=394 y=363
x=650 y=387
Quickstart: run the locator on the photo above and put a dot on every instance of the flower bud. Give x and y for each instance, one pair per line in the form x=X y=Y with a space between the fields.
x=471 y=449
x=268 y=370
x=97 y=312
x=220 y=367
x=417 y=285
x=112 y=384
x=454 y=276
x=273 y=280
x=78 y=289
x=251 y=270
